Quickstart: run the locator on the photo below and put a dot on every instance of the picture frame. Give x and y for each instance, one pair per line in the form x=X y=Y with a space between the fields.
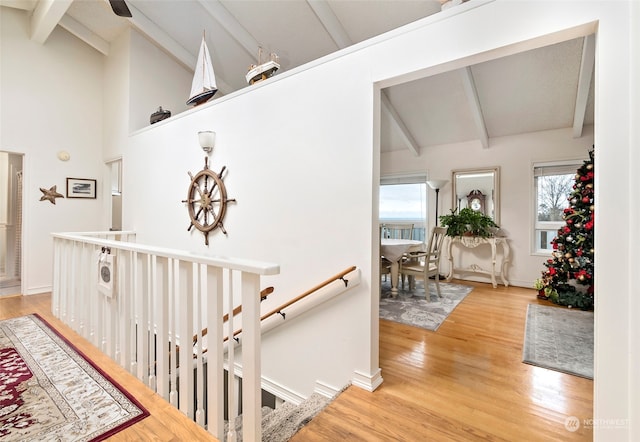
x=81 y=188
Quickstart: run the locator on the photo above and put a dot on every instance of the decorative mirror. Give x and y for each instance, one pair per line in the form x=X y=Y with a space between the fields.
x=477 y=189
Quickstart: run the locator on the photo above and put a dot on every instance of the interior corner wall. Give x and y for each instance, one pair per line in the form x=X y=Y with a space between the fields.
x=51 y=100
x=155 y=80
x=515 y=156
x=116 y=100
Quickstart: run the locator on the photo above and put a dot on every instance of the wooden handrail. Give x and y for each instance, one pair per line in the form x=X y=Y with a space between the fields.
x=263 y=295
x=285 y=305
x=304 y=295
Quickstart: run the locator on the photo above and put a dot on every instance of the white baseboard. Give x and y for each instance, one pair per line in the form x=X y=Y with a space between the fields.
x=367 y=382
x=281 y=392
x=326 y=390
x=38 y=290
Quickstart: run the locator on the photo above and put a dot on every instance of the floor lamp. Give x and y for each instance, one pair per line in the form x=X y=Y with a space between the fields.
x=437 y=185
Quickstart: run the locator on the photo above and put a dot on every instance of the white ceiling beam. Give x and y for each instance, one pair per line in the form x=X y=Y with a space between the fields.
x=154 y=33
x=46 y=16
x=584 y=83
x=232 y=26
x=397 y=122
x=85 y=34
x=330 y=22
x=474 y=106
x=339 y=35
x=27 y=5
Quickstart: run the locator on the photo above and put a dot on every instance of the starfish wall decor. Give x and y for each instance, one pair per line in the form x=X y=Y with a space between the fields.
x=50 y=194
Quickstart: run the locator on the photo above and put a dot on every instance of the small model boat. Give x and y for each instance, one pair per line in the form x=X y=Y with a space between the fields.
x=204 y=80
x=262 y=71
x=159 y=115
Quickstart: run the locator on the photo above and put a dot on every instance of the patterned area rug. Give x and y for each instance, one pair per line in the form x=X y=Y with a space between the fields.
x=412 y=308
x=560 y=339
x=50 y=392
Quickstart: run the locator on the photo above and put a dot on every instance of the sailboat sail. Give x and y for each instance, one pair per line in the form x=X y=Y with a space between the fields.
x=204 y=80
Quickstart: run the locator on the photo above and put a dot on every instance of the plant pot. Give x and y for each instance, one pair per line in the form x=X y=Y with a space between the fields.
x=541 y=294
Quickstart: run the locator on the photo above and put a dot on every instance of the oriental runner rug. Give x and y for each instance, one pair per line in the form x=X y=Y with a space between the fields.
x=49 y=391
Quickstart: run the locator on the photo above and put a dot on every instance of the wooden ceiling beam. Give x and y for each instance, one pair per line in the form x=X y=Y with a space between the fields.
x=85 y=34
x=338 y=34
x=584 y=83
x=332 y=25
x=45 y=17
x=232 y=26
x=408 y=140
x=154 y=33
x=474 y=105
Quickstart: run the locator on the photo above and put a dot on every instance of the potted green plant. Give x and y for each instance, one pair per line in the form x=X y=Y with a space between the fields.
x=468 y=223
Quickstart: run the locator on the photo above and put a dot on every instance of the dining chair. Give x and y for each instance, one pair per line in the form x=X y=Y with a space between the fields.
x=426 y=264
x=397 y=231
x=385 y=267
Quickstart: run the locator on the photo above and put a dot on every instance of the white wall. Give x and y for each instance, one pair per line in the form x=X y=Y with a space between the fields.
x=51 y=100
x=515 y=156
x=301 y=152
x=156 y=80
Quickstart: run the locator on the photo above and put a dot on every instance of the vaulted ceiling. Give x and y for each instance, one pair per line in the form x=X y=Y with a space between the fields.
x=542 y=89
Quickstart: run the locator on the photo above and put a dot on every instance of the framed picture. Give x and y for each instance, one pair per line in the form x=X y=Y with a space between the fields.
x=81 y=188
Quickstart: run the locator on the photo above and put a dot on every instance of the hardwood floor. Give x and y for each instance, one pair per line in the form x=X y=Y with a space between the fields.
x=165 y=422
x=464 y=382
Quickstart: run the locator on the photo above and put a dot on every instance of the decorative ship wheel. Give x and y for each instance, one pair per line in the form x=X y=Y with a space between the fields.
x=207 y=201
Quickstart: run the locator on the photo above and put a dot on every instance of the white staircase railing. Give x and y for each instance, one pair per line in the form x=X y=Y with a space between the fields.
x=139 y=304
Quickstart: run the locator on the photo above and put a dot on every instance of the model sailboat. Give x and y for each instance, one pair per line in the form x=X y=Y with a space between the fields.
x=204 y=80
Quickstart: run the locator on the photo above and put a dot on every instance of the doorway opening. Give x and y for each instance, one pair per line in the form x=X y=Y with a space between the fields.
x=10 y=223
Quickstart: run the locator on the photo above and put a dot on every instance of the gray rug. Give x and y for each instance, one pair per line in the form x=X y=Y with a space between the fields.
x=560 y=339
x=412 y=308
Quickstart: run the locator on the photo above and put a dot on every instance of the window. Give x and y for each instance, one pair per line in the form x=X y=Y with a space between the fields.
x=404 y=199
x=552 y=183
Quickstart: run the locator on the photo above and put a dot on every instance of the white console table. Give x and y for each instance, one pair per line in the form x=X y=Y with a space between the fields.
x=471 y=242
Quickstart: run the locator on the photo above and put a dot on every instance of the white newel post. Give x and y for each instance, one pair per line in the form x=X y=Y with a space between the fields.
x=251 y=367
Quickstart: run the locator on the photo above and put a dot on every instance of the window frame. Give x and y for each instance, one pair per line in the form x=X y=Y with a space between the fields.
x=409 y=178
x=560 y=167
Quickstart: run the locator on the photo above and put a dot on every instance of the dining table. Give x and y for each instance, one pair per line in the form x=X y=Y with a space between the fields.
x=393 y=250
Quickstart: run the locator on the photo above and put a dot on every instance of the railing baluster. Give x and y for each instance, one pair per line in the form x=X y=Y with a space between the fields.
x=185 y=299
x=215 y=355
x=232 y=411
x=200 y=276
x=161 y=336
x=160 y=297
x=173 y=303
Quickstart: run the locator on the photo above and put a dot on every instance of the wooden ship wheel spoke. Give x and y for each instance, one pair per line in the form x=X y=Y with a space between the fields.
x=207 y=206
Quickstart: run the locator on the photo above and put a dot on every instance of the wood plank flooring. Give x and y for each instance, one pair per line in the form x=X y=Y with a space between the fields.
x=464 y=382
x=165 y=422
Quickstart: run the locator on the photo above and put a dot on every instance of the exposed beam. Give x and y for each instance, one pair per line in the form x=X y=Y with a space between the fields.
x=397 y=122
x=85 y=34
x=27 y=5
x=330 y=22
x=584 y=83
x=154 y=33
x=339 y=35
x=474 y=105
x=232 y=26
x=45 y=17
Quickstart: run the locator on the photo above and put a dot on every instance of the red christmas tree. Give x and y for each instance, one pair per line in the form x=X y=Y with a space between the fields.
x=568 y=279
